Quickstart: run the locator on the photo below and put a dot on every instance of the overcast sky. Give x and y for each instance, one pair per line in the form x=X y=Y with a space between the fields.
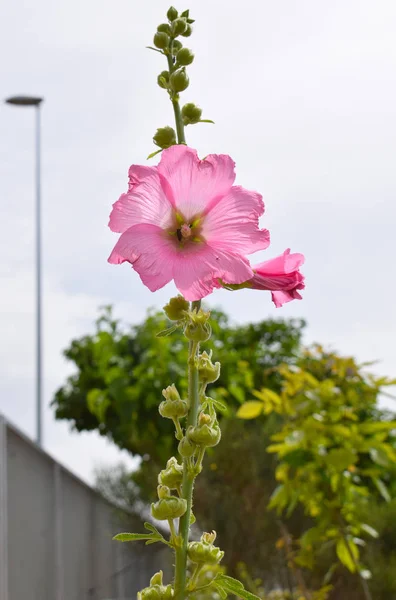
x=304 y=98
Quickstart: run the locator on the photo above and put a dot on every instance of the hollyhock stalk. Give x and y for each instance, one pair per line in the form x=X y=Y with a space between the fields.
x=184 y=220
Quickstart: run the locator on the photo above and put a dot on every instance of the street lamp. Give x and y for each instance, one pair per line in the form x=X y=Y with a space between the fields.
x=36 y=102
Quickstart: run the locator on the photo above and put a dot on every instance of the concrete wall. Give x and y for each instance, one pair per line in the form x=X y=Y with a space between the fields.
x=56 y=533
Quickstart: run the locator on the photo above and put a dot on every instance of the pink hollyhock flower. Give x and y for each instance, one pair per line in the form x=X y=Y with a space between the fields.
x=185 y=220
x=281 y=276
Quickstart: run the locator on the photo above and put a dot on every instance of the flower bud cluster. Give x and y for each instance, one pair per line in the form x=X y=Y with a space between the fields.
x=175 y=80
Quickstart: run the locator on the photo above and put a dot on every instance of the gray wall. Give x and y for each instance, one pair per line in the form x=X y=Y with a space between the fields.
x=56 y=533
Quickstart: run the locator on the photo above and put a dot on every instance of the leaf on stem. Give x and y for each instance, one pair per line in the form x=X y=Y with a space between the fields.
x=168 y=331
x=228 y=585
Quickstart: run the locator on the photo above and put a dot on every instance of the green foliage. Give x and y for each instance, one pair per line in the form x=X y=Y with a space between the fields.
x=335 y=452
x=120 y=374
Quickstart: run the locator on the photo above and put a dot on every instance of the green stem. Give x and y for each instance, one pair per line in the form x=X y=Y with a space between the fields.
x=194 y=577
x=172 y=530
x=188 y=473
x=179 y=432
x=176 y=107
x=200 y=455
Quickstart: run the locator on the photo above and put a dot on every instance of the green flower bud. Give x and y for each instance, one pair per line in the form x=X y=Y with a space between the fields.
x=176 y=46
x=203 y=553
x=176 y=308
x=191 y=114
x=161 y=40
x=186 y=448
x=171 y=393
x=198 y=333
x=173 y=410
x=172 y=407
x=165 y=137
x=172 y=14
x=188 y=31
x=165 y=27
x=168 y=508
x=204 y=435
x=156 y=591
x=185 y=57
x=179 y=80
x=163 y=79
x=179 y=26
x=208 y=372
x=172 y=476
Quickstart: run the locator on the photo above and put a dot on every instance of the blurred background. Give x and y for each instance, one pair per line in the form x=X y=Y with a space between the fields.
x=304 y=99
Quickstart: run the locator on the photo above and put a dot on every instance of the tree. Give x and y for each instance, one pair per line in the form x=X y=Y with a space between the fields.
x=121 y=372
x=335 y=452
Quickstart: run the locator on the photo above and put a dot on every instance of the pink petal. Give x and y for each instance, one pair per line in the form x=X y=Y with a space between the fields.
x=194 y=269
x=192 y=183
x=149 y=252
x=231 y=222
x=196 y=273
x=285 y=263
x=279 y=298
x=145 y=201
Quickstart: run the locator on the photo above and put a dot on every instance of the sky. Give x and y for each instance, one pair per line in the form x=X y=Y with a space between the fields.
x=304 y=99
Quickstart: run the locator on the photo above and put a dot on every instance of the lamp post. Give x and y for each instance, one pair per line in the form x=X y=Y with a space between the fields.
x=36 y=103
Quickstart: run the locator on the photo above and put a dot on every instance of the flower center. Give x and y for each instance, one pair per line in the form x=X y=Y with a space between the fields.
x=184 y=232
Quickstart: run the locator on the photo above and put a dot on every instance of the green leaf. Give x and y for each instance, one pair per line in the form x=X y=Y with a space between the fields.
x=267 y=395
x=133 y=537
x=381 y=487
x=345 y=555
x=233 y=586
x=168 y=331
x=279 y=498
x=156 y=49
x=206 y=121
x=380 y=457
x=98 y=403
x=298 y=458
x=250 y=410
x=237 y=392
x=340 y=458
x=369 y=530
x=154 y=153
x=221 y=406
x=377 y=426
